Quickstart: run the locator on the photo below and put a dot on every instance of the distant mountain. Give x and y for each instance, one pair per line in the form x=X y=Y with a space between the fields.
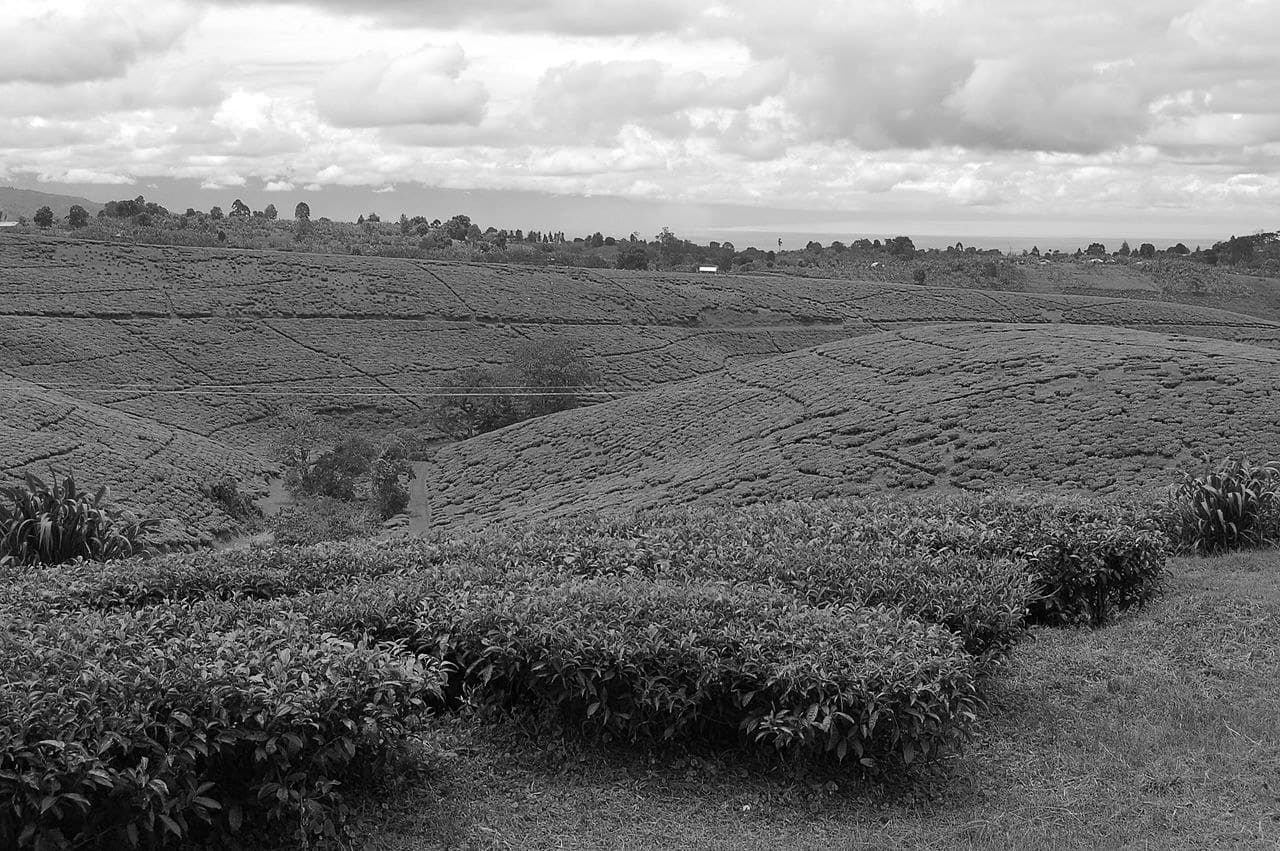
x=24 y=202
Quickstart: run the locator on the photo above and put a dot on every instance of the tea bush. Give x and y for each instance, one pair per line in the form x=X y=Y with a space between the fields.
x=1231 y=505
x=1087 y=557
x=154 y=726
x=643 y=661
x=639 y=660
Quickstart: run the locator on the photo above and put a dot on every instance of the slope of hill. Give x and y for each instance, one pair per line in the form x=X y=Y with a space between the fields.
x=158 y=471
x=1063 y=407
x=24 y=202
x=210 y=342
x=234 y=331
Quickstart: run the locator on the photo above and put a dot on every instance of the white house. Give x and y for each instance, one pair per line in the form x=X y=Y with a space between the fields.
x=711 y=269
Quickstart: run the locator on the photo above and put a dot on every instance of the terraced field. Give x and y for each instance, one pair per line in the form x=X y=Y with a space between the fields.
x=207 y=343
x=1056 y=408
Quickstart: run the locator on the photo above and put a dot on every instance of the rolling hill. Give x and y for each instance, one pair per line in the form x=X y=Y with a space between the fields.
x=208 y=343
x=24 y=202
x=961 y=405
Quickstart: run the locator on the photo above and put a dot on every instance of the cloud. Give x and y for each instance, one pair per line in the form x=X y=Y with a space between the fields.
x=423 y=87
x=575 y=17
x=74 y=42
x=601 y=97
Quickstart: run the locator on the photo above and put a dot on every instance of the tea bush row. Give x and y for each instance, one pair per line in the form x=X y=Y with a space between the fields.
x=639 y=660
x=143 y=728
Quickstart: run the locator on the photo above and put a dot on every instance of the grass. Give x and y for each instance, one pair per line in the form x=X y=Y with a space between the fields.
x=1157 y=732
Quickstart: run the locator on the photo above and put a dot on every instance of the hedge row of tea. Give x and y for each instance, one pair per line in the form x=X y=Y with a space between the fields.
x=218 y=693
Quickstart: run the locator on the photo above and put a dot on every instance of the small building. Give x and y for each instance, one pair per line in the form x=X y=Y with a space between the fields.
x=711 y=269
x=8 y=224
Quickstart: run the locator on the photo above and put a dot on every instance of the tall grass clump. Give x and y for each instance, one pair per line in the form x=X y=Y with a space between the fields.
x=1232 y=505
x=54 y=524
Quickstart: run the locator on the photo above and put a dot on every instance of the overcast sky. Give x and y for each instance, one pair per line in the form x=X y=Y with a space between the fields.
x=1133 y=118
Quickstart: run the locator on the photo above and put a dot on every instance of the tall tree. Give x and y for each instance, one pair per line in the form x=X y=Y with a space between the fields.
x=43 y=217
x=78 y=216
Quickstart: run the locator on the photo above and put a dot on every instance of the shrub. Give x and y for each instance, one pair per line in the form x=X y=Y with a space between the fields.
x=390 y=475
x=1086 y=557
x=1233 y=505
x=315 y=519
x=642 y=661
x=153 y=727
x=43 y=524
x=808 y=550
x=238 y=506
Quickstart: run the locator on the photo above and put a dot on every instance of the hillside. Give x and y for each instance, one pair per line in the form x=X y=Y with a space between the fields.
x=24 y=202
x=209 y=342
x=158 y=470
x=1062 y=407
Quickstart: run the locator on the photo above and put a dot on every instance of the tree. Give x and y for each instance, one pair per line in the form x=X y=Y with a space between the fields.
x=43 y=217
x=78 y=217
x=302 y=215
x=554 y=373
x=1124 y=249
x=901 y=246
x=471 y=403
x=389 y=476
x=633 y=256
x=1180 y=250
x=1096 y=249
x=336 y=472
x=215 y=213
x=1146 y=250
x=458 y=227
x=271 y=212
x=240 y=209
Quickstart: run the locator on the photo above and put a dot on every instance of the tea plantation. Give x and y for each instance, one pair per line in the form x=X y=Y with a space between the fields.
x=188 y=697
x=207 y=345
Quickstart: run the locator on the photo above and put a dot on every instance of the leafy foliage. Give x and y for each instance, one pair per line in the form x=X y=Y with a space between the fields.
x=472 y=403
x=53 y=524
x=643 y=661
x=1231 y=505
x=152 y=727
x=555 y=372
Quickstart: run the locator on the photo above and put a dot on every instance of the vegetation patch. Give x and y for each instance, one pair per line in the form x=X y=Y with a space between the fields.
x=143 y=728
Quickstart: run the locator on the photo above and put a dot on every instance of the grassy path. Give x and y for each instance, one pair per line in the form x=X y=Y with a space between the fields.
x=1158 y=732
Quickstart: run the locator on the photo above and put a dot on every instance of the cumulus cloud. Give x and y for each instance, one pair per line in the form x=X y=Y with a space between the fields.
x=423 y=87
x=603 y=96
x=73 y=42
x=1019 y=107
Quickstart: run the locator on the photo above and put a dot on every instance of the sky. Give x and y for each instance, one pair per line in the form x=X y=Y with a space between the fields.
x=999 y=118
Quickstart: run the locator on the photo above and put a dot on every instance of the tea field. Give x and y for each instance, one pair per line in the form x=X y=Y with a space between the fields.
x=161 y=469
x=952 y=406
x=211 y=343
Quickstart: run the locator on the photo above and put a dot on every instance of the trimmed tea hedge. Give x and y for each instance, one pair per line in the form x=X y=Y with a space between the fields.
x=128 y=729
x=643 y=660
